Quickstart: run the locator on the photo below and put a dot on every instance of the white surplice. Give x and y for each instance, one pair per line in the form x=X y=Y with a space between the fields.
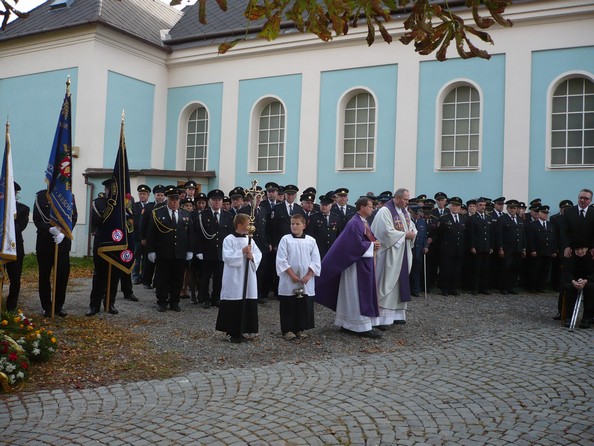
x=234 y=270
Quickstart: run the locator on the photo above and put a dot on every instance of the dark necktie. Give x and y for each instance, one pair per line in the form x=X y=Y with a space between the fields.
x=217 y=216
x=327 y=220
x=290 y=209
x=173 y=218
x=456 y=218
x=514 y=219
x=582 y=213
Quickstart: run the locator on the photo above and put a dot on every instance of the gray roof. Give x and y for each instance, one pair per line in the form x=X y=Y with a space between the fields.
x=143 y=19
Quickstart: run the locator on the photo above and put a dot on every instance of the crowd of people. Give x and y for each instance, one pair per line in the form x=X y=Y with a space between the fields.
x=364 y=262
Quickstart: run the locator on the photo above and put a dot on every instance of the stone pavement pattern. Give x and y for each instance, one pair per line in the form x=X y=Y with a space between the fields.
x=517 y=388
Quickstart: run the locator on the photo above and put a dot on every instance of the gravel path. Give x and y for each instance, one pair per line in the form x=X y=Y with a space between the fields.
x=434 y=321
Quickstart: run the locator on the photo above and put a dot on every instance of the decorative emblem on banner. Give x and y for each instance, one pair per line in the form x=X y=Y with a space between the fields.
x=127 y=256
x=117 y=235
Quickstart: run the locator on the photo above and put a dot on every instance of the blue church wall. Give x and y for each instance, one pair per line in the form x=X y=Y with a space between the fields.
x=287 y=90
x=136 y=99
x=554 y=184
x=381 y=83
x=179 y=99
x=32 y=105
x=489 y=78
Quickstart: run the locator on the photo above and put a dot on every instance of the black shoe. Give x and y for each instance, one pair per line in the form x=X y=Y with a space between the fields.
x=503 y=292
x=148 y=286
x=567 y=323
x=539 y=291
x=557 y=317
x=92 y=311
x=137 y=282
x=193 y=300
x=455 y=293
x=399 y=322
x=369 y=334
x=445 y=293
x=113 y=310
x=131 y=297
x=175 y=308
x=235 y=339
x=162 y=308
x=382 y=327
x=415 y=294
x=47 y=314
x=206 y=305
x=61 y=313
x=511 y=291
x=485 y=292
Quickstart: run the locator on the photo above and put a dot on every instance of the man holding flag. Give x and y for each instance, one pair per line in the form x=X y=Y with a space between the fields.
x=55 y=216
x=114 y=242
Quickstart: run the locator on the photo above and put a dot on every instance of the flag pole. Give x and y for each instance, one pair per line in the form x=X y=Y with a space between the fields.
x=54 y=279
x=108 y=289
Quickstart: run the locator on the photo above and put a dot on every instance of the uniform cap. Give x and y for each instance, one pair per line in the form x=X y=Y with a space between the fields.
x=499 y=200
x=237 y=192
x=341 y=191
x=440 y=196
x=271 y=186
x=143 y=188
x=107 y=182
x=422 y=197
x=429 y=202
x=307 y=197
x=469 y=202
x=291 y=188
x=512 y=203
x=216 y=193
x=226 y=199
x=191 y=184
x=522 y=205
x=456 y=200
x=158 y=189
x=201 y=196
x=535 y=201
x=310 y=190
x=172 y=191
x=566 y=204
x=325 y=200
x=544 y=208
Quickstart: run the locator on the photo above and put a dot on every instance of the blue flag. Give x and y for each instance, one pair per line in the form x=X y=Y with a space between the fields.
x=7 y=207
x=116 y=244
x=58 y=174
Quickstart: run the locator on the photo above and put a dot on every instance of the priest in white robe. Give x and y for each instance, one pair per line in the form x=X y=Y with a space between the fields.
x=396 y=232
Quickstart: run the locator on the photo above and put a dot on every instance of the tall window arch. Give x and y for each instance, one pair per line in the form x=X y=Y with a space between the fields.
x=197 y=139
x=572 y=123
x=460 y=128
x=270 y=129
x=358 y=132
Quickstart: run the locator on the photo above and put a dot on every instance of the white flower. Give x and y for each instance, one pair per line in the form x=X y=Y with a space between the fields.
x=10 y=367
x=36 y=344
x=51 y=349
x=36 y=351
x=20 y=375
x=21 y=341
x=11 y=378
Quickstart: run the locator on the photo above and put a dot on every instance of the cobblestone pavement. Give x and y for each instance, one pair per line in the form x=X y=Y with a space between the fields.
x=531 y=387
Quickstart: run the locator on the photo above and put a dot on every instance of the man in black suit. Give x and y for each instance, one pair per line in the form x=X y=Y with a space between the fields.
x=148 y=268
x=452 y=246
x=441 y=200
x=578 y=224
x=280 y=217
x=170 y=240
x=324 y=226
x=211 y=227
x=510 y=245
x=144 y=193
x=47 y=238
x=542 y=247
x=236 y=195
x=14 y=269
x=341 y=206
x=480 y=243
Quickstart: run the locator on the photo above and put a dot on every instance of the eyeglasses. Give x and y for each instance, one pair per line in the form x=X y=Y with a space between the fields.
x=584 y=198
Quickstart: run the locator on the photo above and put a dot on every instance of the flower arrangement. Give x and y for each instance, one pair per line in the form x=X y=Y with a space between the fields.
x=21 y=343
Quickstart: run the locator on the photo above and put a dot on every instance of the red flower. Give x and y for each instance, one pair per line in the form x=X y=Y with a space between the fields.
x=24 y=365
x=13 y=356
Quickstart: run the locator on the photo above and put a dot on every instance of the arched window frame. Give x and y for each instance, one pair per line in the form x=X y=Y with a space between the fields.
x=443 y=93
x=183 y=129
x=549 y=125
x=254 y=138
x=340 y=138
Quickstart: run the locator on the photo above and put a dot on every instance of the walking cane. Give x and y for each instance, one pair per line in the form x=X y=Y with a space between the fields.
x=576 y=310
x=425 y=273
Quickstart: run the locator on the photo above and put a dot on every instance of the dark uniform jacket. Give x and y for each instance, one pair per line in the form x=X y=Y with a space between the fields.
x=260 y=236
x=452 y=236
x=210 y=234
x=21 y=222
x=435 y=212
x=480 y=233
x=509 y=235
x=350 y=211
x=147 y=215
x=169 y=241
x=280 y=221
x=576 y=230
x=41 y=218
x=137 y=213
x=540 y=240
x=324 y=233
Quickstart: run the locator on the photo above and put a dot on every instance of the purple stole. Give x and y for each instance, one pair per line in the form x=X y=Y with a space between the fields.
x=403 y=280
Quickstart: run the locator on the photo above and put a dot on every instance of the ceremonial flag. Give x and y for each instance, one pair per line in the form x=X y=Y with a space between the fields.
x=7 y=206
x=58 y=174
x=116 y=244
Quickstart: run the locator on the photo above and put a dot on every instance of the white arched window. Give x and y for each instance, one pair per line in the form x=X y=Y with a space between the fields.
x=270 y=130
x=572 y=123
x=197 y=140
x=358 y=132
x=460 y=128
